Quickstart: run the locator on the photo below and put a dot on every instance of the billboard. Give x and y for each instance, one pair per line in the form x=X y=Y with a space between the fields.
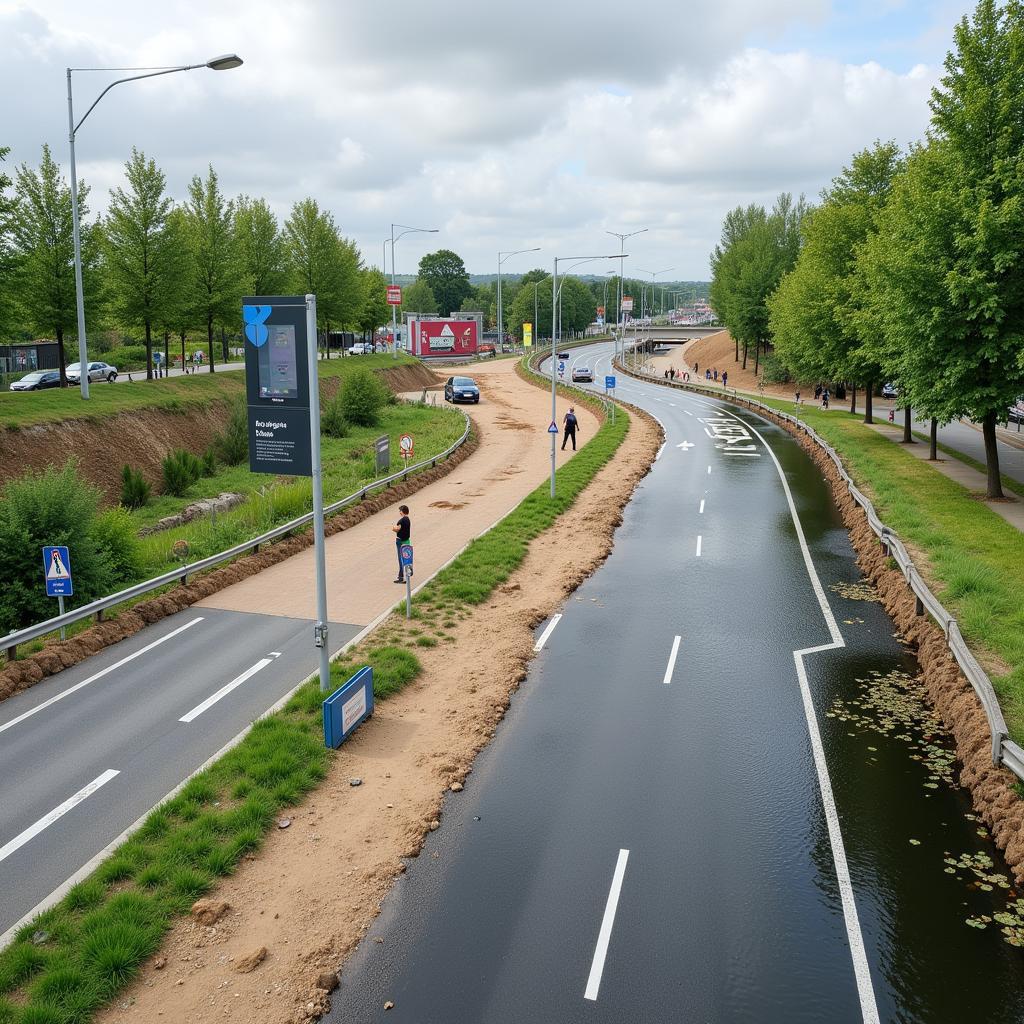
x=445 y=338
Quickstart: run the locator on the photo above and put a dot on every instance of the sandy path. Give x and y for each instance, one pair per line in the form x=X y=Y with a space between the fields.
x=513 y=458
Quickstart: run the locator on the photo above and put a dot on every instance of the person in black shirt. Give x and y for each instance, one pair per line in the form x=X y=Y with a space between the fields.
x=402 y=530
x=571 y=423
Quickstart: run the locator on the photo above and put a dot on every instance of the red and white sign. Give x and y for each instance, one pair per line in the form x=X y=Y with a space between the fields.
x=444 y=338
x=627 y=303
x=600 y=310
x=405 y=446
x=394 y=295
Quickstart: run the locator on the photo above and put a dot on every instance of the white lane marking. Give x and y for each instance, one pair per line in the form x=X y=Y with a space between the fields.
x=709 y=471
x=605 y=934
x=660 y=450
x=58 y=812
x=671 y=661
x=548 y=630
x=686 y=445
x=700 y=541
x=275 y=654
x=861 y=967
x=98 y=675
x=700 y=511
x=688 y=413
x=225 y=690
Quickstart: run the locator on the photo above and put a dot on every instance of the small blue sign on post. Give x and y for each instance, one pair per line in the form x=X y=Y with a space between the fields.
x=405 y=553
x=553 y=429
x=609 y=382
x=57 y=571
x=348 y=707
x=561 y=369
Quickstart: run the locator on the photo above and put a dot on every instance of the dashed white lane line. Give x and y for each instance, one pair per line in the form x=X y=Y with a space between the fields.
x=700 y=542
x=99 y=675
x=58 y=812
x=709 y=471
x=225 y=690
x=660 y=450
x=688 y=413
x=607 y=922
x=671 y=667
x=548 y=630
x=700 y=511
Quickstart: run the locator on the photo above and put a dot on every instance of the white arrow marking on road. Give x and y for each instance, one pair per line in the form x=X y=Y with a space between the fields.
x=225 y=690
x=605 y=934
x=58 y=812
x=686 y=445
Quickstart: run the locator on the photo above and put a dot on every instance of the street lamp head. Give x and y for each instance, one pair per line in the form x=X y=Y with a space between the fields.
x=225 y=62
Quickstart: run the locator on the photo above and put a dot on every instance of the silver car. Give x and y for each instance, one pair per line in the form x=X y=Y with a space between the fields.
x=97 y=371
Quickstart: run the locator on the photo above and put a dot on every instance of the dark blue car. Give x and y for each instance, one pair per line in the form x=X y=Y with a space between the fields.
x=461 y=389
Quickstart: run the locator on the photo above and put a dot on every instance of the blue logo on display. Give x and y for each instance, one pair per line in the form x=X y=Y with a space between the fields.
x=255 y=317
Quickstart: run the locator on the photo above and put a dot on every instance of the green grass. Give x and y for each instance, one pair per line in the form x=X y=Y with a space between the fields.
x=971 y=557
x=78 y=955
x=32 y=408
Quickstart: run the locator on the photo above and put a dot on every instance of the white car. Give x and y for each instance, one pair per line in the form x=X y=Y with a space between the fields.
x=97 y=371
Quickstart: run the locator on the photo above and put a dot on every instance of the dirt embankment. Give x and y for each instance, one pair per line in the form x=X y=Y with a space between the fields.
x=141 y=438
x=56 y=656
x=718 y=352
x=416 y=752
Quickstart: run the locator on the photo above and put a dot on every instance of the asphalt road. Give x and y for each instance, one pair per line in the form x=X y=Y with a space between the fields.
x=85 y=753
x=667 y=827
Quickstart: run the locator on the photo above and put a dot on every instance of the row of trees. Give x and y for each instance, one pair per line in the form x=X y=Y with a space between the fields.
x=160 y=269
x=911 y=267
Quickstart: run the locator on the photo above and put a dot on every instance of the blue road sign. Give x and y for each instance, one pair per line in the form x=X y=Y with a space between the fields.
x=347 y=707
x=57 y=571
x=405 y=553
x=609 y=382
x=553 y=429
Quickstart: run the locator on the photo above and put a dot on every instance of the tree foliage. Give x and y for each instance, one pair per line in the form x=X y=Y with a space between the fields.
x=445 y=274
x=419 y=298
x=260 y=248
x=8 y=291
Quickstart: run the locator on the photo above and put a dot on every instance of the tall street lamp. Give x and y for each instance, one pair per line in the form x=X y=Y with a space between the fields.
x=554 y=329
x=502 y=256
x=394 y=309
x=622 y=243
x=654 y=274
x=223 y=63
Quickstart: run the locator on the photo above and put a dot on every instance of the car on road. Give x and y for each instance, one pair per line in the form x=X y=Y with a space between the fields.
x=582 y=373
x=565 y=355
x=1015 y=414
x=37 y=380
x=97 y=371
x=890 y=391
x=461 y=389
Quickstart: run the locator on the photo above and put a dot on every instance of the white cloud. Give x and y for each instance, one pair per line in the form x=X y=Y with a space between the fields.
x=543 y=124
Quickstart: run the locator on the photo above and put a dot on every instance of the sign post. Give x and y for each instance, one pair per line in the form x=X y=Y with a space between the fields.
x=609 y=386
x=394 y=295
x=405 y=554
x=57 y=574
x=405 y=446
x=283 y=398
x=527 y=335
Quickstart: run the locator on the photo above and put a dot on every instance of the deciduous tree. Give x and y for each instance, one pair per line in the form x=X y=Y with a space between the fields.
x=419 y=298
x=445 y=273
x=260 y=247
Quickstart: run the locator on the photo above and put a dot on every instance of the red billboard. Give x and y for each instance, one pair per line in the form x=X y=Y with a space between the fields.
x=445 y=338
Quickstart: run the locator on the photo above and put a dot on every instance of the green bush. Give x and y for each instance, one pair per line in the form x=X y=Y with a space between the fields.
x=332 y=418
x=232 y=447
x=127 y=357
x=134 y=489
x=116 y=536
x=362 y=397
x=53 y=507
x=209 y=461
x=181 y=469
x=773 y=371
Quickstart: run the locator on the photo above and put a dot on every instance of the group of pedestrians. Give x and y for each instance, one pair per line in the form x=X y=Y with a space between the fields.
x=820 y=392
x=712 y=375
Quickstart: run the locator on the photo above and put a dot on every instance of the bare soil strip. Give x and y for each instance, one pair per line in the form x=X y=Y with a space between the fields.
x=298 y=908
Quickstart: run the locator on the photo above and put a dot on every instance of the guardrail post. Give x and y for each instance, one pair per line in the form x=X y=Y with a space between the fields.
x=12 y=654
x=99 y=615
x=997 y=747
x=255 y=549
x=918 y=605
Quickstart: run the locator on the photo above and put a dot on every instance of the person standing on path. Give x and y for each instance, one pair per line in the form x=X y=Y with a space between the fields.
x=725 y=378
x=570 y=423
x=402 y=530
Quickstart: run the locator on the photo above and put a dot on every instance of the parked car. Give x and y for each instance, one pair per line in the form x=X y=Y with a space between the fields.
x=1015 y=413
x=582 y=373
x=360 y=349
x=485 y=351
x=37 y=380
x=461 y=389
x=890 y=391
x=97 y=371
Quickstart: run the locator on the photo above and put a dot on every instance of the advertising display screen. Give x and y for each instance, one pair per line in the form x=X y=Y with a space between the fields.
x=278 y=366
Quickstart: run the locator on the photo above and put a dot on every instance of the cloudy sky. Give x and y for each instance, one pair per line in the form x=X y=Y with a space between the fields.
x=541 y=123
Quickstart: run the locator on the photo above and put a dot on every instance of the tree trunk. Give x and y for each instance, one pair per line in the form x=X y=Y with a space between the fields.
x=224 y=343
x=61 y=357
x=209 y=340
x=167 y=352
x=744 y=366
x=757 y=356
x=908 y=437
x=183 y=352
x=853 y=399
x=868 y=395
x=149 y=351
x=988 y=429
x=933 y=441
x=737 y=340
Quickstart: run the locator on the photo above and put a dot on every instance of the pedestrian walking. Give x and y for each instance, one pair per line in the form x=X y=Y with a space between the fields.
x=725 y=378
x=798 y=398
x=696 y=367
x=707 y=374
x=666 y=375
x=716 y=376
x=824 y=398
x=570 y=423
x=817 y=392
x=402 y=530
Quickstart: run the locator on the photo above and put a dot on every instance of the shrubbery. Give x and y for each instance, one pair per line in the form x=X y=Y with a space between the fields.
x=773 y=370
x=209 y=461
x=332 y=418
x=362 y=397
x=134 y=489
x=54 y=507
x=181 y=469
x=115 y=532
x=232 y=447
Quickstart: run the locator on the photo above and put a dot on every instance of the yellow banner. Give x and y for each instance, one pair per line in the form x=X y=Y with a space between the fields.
x=527 y=335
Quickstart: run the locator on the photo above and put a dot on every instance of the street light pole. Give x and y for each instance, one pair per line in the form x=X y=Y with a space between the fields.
x=622 y=245
x=501 y=259
x=394 y=309
x=223 y=63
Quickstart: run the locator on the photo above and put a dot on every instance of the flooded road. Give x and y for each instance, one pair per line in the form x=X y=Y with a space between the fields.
x=717 y=797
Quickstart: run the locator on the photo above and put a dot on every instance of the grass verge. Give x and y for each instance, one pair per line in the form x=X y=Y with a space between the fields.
x=78 y=955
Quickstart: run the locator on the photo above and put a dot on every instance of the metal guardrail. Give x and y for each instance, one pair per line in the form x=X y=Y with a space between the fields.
x=1004 y=750
x=99 y=606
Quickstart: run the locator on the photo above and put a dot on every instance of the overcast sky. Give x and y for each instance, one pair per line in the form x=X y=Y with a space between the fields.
x=506 y=126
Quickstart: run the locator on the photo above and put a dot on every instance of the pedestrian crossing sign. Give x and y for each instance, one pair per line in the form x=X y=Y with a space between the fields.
x=57 y=571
